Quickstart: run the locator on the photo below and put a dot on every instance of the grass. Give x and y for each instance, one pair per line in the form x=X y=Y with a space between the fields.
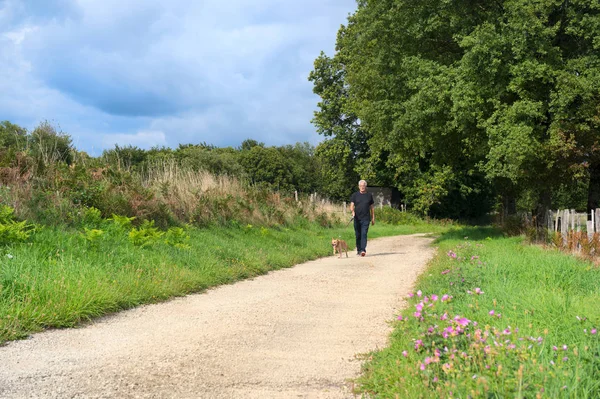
x=61 y=277
x=540 y=340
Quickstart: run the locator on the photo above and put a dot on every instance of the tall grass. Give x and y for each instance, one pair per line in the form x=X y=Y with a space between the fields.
x=494 y=318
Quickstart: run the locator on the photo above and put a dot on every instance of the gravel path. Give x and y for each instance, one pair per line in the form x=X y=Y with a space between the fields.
x=293 y=333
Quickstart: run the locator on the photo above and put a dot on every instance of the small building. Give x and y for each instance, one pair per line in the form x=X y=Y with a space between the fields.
x=386 y=196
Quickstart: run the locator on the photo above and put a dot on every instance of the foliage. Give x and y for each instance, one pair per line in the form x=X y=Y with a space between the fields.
x=145 y=235
x=467 y=102
x=12 y=231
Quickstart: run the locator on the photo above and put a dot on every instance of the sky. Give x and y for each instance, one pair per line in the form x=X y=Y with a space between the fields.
x=163 y=73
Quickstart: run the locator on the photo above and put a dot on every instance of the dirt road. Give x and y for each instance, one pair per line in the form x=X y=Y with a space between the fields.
x=293 y=333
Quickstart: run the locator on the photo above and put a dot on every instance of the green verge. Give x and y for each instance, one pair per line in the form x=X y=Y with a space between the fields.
x=63 y=277
x=494 y=318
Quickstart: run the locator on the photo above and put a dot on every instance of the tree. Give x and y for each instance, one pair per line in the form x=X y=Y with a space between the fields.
x=471 y=98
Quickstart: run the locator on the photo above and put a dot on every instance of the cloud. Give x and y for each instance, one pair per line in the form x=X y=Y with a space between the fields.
x=145 y=139
x=195 y=71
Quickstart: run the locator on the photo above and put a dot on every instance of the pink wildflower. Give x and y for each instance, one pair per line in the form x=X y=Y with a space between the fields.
x=444 y=316
x=417 y=314
x=593 y=331
x=478 y=291
x=491 y=312
x=445 y=297
x=419 y=293
x=400 y=318
x=446 y=271
x=405 y=353
x=434 y=297
x=422 y=367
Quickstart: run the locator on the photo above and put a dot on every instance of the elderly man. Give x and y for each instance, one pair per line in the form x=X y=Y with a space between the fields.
x=363 y=212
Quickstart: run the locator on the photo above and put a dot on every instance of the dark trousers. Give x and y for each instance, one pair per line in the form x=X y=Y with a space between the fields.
x=361 y=228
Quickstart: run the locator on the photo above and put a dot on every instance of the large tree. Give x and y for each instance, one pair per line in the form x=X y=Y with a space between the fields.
x=470 y=98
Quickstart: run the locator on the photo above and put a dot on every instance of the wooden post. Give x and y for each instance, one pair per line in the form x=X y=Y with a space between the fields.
x=590 y=229
x=572 y=219
x=556 y=223
x=592 y=211
x=564 y=223
x=597 y=212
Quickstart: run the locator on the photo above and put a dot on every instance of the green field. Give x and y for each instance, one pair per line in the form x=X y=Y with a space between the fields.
x=494 y=318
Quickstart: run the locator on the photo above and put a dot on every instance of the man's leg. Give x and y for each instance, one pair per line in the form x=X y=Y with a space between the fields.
x=357 y=230
x=364 y=229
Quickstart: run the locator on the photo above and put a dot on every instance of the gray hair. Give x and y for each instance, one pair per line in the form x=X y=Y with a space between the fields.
x=362 y=181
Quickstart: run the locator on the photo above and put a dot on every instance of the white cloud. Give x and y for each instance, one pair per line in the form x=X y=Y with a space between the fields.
x=143 y=139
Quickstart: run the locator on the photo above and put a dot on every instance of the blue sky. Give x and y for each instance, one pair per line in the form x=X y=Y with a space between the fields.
x=157 y=72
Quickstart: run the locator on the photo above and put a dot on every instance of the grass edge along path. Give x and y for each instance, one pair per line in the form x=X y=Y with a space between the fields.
x=494 y=318
x=61 y=277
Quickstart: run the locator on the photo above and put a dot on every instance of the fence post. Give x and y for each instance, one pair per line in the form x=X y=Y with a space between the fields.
x=597 y=211
x=592 y=211
x=564 y=223
x=572 y=217
x=557 y=216
x=296 y=195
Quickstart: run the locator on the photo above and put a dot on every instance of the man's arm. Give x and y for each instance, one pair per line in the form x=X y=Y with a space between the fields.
x=372 y=210
x=352 y=208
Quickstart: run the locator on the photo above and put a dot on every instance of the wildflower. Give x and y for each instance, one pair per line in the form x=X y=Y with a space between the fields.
x=539 y=340
x=444 y=316
x=511 y=346
x=554 y=348
x=463 y=321
x=478 y=291
x=552 y=362
x=428 y=360
x=417 y=314
x=405 y=353
x=419 y=306
x=400 y=318
x=487 y=350
x=469 y=292
x=565 y=359
x=435 y=379
x=434 y=297
x=418 y=344
x=437 y=353
x=506 y=331
x=451 y=254
x=474 y=376
x=565 y=347
x=419 y=293
x=474 y=257
x=446 y=271
x=446 y=367
x=430 y=330
x=593 y=331
x=422 y=367
x=491 y=312
x=9 y=256
x=445 y=297
x=499 y=315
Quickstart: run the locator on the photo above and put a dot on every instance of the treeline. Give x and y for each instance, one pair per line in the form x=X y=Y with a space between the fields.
x=47 y=180
x=467 y=106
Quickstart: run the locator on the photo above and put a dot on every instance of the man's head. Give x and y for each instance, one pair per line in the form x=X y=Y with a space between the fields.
x=362 y=186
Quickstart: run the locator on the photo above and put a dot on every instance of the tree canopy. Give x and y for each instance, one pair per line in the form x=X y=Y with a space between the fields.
x=466 y=104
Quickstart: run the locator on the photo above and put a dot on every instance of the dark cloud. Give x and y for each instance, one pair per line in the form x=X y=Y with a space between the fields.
x=176 y=71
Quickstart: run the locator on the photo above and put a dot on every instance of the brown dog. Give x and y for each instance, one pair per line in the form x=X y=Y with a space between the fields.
x=339 y=246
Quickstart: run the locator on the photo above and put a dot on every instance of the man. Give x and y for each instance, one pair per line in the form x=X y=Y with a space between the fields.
x=363 y=212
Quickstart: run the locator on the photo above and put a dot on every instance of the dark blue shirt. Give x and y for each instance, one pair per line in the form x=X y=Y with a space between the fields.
x=362 y=205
